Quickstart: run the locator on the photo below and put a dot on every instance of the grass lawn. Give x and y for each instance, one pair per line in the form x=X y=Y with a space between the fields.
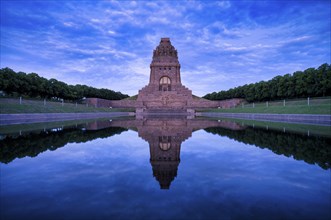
x=324 y=109
x=13 y=107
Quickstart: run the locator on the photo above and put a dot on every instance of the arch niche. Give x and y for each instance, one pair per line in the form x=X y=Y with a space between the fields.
x=165 y=143
x=165 y=84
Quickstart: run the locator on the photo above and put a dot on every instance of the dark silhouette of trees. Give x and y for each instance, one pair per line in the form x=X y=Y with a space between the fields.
x=311 y=149
x=33 y=144
x=33 y=85
x=309 y=83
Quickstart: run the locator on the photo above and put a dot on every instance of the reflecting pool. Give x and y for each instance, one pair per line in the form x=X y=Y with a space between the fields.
x=161 y=168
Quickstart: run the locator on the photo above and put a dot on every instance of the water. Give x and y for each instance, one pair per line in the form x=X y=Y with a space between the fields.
x=164 y=169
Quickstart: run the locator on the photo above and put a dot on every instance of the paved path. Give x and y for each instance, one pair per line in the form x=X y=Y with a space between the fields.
x=290 y=118
x=7 y=119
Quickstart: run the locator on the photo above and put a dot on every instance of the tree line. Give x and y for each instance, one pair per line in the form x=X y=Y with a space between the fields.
x=32 y=85
x=311 y=149
x=309 y=83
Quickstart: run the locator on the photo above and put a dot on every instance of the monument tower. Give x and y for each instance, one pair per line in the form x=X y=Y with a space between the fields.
x=165 y=90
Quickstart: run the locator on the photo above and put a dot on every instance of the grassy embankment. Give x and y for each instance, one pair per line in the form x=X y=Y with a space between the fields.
x=316 y=106
x=281 y=126
x=12 y=106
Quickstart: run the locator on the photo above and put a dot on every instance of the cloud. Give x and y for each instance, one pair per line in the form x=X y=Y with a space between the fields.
x=109 y=44
x=223 y=4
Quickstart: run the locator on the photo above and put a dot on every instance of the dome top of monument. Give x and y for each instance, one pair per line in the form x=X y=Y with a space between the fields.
x=165 y=49
x=165 y=40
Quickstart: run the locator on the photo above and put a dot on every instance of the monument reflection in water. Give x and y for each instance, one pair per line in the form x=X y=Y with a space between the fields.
x=165 y=137
x=79 y=171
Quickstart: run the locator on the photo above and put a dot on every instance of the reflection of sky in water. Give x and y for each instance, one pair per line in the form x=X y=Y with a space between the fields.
x=217 y=178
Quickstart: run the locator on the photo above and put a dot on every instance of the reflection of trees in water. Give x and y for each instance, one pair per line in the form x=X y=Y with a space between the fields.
x=311 y=149
x=34 y=143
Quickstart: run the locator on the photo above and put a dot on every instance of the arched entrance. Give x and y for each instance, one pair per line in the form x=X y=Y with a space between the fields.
x=165 y=84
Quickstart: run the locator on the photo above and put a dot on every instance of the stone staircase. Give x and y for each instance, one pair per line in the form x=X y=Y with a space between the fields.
x=177 y=93
x=165 y=102
x=165 y=111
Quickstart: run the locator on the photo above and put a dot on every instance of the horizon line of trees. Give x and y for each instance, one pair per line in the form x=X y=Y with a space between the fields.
x=308 y=83
x=33 y=85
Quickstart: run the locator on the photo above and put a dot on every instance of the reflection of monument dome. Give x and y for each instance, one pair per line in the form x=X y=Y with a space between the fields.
x=165 y=151
x=165 y=172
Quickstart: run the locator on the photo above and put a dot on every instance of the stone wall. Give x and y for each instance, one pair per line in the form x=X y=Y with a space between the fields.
x=166 y=102
x=204 y=103
x=104 y=103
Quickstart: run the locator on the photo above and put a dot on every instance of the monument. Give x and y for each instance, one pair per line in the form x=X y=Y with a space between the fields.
x=164 y=93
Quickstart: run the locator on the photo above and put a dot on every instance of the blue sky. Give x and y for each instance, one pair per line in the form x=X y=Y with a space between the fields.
x=109 y=44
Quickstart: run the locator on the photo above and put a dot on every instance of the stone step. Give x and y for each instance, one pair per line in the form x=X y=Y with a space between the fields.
x=157 y=98
x=155 y=88
x=165 y=111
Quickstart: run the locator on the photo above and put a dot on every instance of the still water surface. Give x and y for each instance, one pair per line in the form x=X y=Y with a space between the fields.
x=163 y=169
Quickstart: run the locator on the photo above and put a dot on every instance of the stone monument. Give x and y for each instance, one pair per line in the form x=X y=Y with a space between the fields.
x=165 y=90
x=164 y=93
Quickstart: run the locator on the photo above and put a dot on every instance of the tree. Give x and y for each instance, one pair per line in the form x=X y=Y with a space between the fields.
x=311 y=82
x=35 y=86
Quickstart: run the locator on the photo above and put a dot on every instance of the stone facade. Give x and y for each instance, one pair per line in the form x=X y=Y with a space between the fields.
x=164 y=91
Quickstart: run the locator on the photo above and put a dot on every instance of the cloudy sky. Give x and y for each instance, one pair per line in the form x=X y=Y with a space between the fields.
x=109 y=44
